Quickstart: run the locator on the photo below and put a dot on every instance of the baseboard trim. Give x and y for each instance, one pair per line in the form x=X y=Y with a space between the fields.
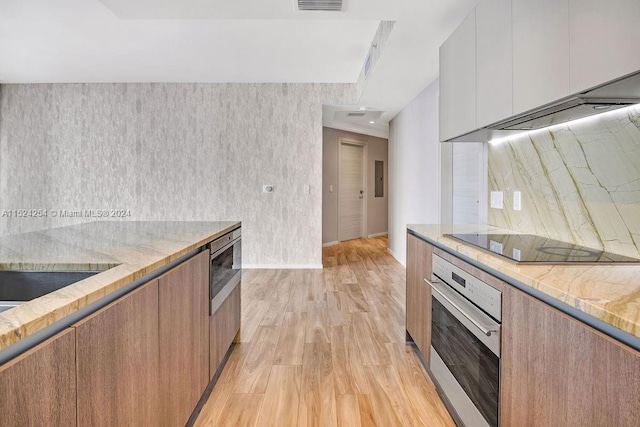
x=324 y=245
x=396 y=257
x=281 y=266
x=384 y=233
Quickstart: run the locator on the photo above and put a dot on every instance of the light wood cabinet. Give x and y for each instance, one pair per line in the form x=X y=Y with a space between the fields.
x=117 y=362
x=557 y=371
x=38 y=388
x=418 y=306
x=603 y=41
x=184 y=338
x=540 y=52
x=225 y=324
x=494 y=57
x=458 y=81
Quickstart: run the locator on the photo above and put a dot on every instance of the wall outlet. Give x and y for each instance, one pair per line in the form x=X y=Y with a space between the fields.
x=516 y=254
x=497 y=200
x=517 y=201
x=267 y=188
x=495 y=247
x=307 y=189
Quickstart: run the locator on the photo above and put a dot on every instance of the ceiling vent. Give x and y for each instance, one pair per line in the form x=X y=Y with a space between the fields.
x=356 y=114
x=320 y=5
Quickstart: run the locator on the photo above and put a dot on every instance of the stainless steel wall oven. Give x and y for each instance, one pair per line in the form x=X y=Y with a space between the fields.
x=226 y=267
x=465 y=343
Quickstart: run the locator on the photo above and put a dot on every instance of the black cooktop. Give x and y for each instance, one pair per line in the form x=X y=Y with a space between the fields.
x=528 y=248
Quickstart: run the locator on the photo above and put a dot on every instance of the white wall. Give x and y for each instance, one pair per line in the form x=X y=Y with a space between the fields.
x=414 y=168
x=377 y=207
x=172 y=152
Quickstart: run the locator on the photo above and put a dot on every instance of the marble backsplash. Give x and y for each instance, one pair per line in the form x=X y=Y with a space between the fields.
x=580 y=182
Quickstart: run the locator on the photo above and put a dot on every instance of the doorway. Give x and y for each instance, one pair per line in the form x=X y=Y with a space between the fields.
x=469 y=182
x=351 y=190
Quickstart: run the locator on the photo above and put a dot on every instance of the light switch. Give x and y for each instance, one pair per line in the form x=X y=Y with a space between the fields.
x=307 y=189
x=517 y=201
x=331 y=189
x=497 y=200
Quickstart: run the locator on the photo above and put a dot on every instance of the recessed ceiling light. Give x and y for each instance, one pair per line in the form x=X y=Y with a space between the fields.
x=371 y=122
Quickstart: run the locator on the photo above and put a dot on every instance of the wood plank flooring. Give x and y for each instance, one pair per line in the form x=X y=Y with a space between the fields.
x=326 y=348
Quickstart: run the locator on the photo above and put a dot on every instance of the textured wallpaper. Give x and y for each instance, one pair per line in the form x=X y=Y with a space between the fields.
x=579 y=183
x=170 y=152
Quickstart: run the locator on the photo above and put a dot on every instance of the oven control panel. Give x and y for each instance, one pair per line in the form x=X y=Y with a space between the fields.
x=475 y=290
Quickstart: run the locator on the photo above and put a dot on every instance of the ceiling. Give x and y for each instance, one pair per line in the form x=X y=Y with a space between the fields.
x=227 y=41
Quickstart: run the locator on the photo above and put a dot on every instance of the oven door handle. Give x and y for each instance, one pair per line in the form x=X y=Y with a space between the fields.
x=470 y=318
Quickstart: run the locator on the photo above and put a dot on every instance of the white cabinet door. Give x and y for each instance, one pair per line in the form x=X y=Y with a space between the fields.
x=540 y=52
x=494 y=57
x=604 y=39
x=458 y=81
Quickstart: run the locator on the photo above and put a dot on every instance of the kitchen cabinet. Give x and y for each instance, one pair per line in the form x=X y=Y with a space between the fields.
x=224 y=327
x=184 y=338
x=418 y=306
x=511 y=56
x=458 y=81
x=558 y=371
x=117 y=362
x=603 y=41
x=38 y=388
x=540 y=52
x=494 y=57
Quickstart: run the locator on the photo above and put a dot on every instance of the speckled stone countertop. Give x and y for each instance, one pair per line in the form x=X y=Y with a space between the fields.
x=122 y=251
x=609 y=292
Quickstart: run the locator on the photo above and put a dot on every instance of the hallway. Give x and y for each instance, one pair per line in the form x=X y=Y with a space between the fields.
x=326 y=348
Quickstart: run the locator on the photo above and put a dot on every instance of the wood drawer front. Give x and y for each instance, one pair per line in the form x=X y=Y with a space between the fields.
x=418 y=304
x=557 y=371
x=224 y=326
x=38 y=388
x=184 y=338
x=117 y=362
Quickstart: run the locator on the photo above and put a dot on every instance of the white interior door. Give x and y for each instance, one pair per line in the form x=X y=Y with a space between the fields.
x=469 y=183
x=351 y=192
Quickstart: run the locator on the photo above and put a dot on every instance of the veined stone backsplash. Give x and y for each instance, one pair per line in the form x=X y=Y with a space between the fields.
x=580 y=182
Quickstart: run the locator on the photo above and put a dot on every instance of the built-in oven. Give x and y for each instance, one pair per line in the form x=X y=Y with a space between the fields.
x=465 y=344
x=226 y=267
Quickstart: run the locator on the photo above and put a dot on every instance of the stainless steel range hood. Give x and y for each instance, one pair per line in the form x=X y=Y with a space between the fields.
x=610 y=96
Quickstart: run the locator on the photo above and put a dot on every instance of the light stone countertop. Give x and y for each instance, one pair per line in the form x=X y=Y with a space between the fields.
x=123 y=251
x=607 y=292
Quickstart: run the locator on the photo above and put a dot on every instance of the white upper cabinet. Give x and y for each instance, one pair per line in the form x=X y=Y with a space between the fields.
x=458 y=81
x=494 y=57
x=604 y=38
x=511 y=56
x=540 y=52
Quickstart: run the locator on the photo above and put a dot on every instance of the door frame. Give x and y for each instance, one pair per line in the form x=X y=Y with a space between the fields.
x=363 y=144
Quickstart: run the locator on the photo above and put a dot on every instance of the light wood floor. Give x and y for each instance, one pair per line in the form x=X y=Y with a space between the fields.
x=325 y=348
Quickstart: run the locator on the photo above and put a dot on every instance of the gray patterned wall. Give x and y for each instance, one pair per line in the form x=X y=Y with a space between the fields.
x=172 y=152
x=580 y=182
